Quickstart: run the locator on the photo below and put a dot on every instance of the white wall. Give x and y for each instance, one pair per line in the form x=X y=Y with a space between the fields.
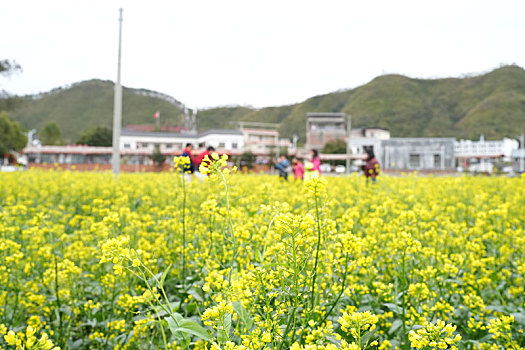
x=228 y=140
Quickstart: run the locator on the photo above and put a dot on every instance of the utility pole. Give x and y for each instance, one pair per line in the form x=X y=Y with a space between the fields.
x=521 y=153
x=117 y=107
x=348 y=150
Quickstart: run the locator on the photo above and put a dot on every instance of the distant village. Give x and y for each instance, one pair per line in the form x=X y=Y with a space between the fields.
x=254 y=145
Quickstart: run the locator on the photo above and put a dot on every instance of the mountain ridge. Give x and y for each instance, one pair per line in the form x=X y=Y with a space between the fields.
x=492 y=104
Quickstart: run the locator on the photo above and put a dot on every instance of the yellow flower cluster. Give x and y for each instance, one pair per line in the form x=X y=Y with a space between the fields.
x=116 y=250
x=501 y=327
x=357 y=322
x=214 y=316
x=435 y=336
x=28 y=340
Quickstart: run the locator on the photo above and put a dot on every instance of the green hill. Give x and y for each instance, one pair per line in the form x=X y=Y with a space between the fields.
x=90 y=103
x=492 y=104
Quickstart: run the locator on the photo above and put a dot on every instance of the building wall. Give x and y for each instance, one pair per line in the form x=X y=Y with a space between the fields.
x=149 y=142
x=317 y=134
x=373 y=133
x=482 y=148
x=220 y=141
x=417 y=154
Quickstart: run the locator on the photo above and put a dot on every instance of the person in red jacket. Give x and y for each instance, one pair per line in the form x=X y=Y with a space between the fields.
x=371 y=167
x=201 y=156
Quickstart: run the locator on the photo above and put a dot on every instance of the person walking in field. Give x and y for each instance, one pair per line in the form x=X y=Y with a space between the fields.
x=201 y=156
x=284 y=167
x=298 y=169
x=310 y=172
x=371 y=167
x=189 y=168
x=316 y=160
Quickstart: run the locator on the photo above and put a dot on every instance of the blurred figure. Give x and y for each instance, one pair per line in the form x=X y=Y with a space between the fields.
x=188 y=169
x=199 y=159
x=310 y=172
x=316 y=160
x=298 y=169
x=371 y=167
x=284 y=167
x=201 y=156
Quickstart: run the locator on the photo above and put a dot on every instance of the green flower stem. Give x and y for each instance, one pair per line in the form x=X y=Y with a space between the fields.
x=314 y=277
x=233 y=239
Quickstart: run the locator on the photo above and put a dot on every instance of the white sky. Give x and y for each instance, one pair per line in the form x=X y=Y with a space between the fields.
x=259 y=53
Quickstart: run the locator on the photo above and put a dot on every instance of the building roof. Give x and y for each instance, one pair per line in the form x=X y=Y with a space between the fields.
x=419 y=139
x=221 y=132
x=370 y=128
x=325 y=114
x=129 y=132
x=260 y=131
x=69 y=149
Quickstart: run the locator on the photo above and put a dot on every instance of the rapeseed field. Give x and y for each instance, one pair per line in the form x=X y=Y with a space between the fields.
x=251 y=262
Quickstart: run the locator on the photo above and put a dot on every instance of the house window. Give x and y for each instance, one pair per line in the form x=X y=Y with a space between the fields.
x=202 y=144
x=144 y=145
x=414 y=160
x=169 y=145
x=127 y=145
x=234 y=145
x=222 y=145
x=437 y=161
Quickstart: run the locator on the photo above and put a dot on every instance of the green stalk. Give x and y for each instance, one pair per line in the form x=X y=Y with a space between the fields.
x=233 y=239
x=340 y=293
x=183 y=253
x=314 y=277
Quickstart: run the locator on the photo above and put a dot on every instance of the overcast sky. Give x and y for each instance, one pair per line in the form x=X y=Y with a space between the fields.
x=258 y=53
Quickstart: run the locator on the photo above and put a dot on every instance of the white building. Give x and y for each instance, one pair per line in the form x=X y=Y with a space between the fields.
x=423 y=153
x=263 y=141
x=230 y=141
x=485 y=149
x=482 y=156
x=363 y=139
x=263 y=138
x=518 y=160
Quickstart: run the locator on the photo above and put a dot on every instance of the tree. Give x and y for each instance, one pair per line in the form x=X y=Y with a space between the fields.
x=51 y=134
x=7 y=67
x=99 y=136
x=8 y=102
x=11 y=135
x=335 y=147
x=247 y=159
x=157 y=156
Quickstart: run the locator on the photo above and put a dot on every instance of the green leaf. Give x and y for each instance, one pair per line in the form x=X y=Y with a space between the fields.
x=519 y=317
x=243 y=315
x=396 y=324
x=163 y=277
x=222 y=334
x=228 y=323
x=173 y=325
x=394 y=308
x=192 y=327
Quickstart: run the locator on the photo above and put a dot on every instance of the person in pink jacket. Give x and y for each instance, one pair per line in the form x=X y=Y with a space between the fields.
x=316 y=160
x=298 y=169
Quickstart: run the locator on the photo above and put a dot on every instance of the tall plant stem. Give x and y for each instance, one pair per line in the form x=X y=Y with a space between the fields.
x=314 y=277
x=233 y=239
